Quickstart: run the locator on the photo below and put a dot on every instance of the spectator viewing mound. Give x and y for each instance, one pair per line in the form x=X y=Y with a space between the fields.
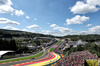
x=55 y=46
x=83 y=58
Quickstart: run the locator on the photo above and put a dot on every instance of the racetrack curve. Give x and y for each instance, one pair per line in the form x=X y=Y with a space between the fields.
x=52 y=57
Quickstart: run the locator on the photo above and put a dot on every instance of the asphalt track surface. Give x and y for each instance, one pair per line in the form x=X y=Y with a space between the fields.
x=45 y=57
x=18 y=62
x=52 y=57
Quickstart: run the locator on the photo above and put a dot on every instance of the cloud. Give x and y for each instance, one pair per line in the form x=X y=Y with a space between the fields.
x=27 y=17
x=7 y=21
x=62 y=30
x=29 y=31
x=88 y=25
x=35 y=19
x=67 y=31
x=81 y=33
x=48 y=32
x=18 y=12
x=95 y=30
x=77 y=20
x=82 y=7
x=33 y=26
x=11 y=28
x=5 y=7
x=53 y=25
x=25 y=30
x=93 y=2
x=6 y=2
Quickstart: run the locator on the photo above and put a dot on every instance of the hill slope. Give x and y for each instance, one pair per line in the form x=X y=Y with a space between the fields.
x=15 y=33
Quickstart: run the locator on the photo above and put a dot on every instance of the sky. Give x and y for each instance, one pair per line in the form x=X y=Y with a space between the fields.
x=52 y=17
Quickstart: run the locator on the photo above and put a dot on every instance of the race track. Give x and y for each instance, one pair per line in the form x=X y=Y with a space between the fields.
x=51 y=58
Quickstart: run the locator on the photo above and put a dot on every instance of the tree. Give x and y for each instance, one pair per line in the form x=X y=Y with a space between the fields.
x=80 y=47
x=86 y=46
x=37 y=42
x=93 y=46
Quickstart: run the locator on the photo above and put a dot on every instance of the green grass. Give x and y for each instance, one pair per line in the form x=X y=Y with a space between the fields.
x=59 y=42
x=24 y=58
x=51 y=49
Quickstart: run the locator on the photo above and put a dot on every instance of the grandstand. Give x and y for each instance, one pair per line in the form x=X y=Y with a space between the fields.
x=50 y=43
x=59 y=49
x=82 y=58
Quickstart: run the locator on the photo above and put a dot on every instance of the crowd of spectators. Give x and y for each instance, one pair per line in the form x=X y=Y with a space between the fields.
x=52 y=41
x=76 y=59
x=59 y=49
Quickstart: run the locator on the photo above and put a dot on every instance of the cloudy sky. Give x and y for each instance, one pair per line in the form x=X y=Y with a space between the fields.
x=55 y=17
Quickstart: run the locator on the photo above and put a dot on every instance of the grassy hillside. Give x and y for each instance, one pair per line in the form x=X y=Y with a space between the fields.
x=16 y=33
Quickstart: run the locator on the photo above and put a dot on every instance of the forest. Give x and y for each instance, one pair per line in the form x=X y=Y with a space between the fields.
x=7 y=44
x=88 y=38
x=14 y=45
x=91 y=47
x=4 y=33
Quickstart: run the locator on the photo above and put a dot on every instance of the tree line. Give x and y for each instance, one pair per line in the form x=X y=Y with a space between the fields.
x=14 y=33
x=7 y=44
x=88 y=38
x=17 y=47
x=91 y=47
